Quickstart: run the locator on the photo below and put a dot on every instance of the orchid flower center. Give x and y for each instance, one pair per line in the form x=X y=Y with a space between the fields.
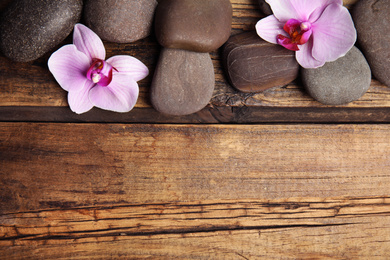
x=100 y=72
x=299 y=33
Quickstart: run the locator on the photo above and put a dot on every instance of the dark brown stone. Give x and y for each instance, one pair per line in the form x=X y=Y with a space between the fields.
x=183 y=82
x=30 y=28
x=201 y=25
x=254 y=65
x=265 y=7
x=372 y=22
x=120 y=21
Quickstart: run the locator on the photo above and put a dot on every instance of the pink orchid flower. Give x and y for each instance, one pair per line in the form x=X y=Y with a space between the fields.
x=318 y=30
x=80 y=68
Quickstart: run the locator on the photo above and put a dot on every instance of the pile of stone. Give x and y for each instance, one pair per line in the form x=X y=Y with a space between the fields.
x=188 y=30
x=253 y=65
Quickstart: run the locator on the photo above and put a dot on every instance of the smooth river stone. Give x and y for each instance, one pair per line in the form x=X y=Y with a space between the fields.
x=265 y=7
x=120 y=21
x=372 y=22
x=254 y=65
x=30 y=28
x=195 y=25
x=339 y=82
x=183 y=82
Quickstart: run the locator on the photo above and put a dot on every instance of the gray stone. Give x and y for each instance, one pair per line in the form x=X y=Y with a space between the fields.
x=183 y=82
x=120 y=21
x=254 y=65
x=265 y=7
x=30 y=28
x=372 y=22
x=195 y=25
x=339 y=82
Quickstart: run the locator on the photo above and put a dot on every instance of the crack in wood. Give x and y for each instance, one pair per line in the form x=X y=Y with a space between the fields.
x=199 y=208
x=213 y=229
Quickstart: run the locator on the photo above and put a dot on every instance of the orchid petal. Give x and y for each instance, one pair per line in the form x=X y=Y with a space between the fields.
x=120 y=96
x=313 y=17
x=88 y=42
x=283 y=10
x=130 y=66
x=297 y=9
x=69 y=67
x=79 y=101
x=305 y=58
x=334 y=34
x=269 y=28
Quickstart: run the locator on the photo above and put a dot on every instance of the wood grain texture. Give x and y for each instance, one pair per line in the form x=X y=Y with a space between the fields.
x=73 y=165
x=103 y=191
x=309 y=228
x=208 y=115
x=31 y=85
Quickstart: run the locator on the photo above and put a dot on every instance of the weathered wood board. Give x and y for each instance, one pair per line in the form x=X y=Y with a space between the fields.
x=187 y=191
x=255 y=229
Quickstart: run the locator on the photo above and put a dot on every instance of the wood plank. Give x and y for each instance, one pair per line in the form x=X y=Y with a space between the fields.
x=208 y=115
x=31 y=85
x=304 y=228
x=51 y=165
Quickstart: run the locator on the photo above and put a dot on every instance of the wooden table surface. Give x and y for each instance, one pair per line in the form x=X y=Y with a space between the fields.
x=274 y=175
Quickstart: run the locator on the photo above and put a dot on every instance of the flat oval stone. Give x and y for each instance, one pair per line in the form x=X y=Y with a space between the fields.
x=265 y=7
x=183 y=82
x=201 y=25
x=254 y=65
x=120 y=21
x=30 y=28
x=372 y=22
x=339 y=82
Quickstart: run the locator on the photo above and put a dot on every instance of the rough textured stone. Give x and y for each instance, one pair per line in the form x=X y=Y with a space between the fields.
x=254 y=65
x=372 y=22
x=265 y=7
x=183 y=82
x=30 y=28
x=201 y=25
x=120 y=21
x=339 y=82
